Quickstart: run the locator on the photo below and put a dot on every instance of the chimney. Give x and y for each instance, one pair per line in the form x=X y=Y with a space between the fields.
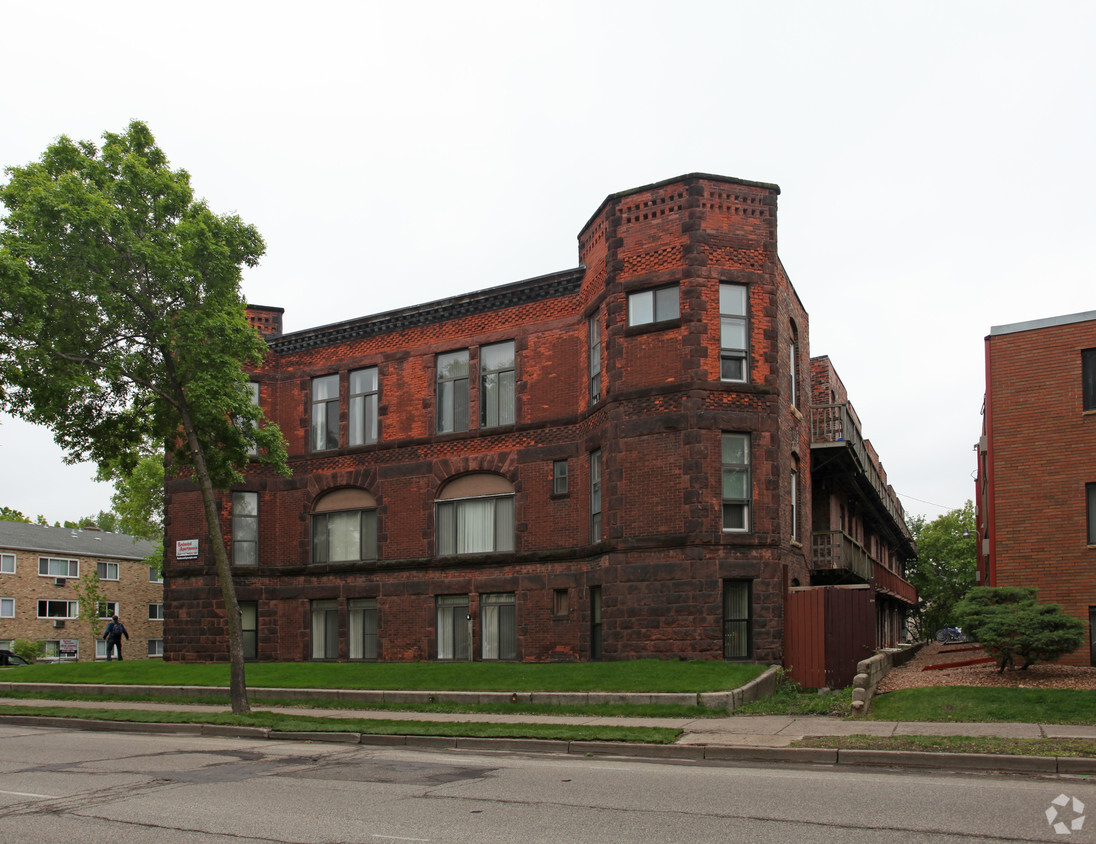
x=267 y=320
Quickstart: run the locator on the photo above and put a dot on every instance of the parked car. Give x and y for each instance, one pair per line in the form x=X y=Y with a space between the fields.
x=8 y=659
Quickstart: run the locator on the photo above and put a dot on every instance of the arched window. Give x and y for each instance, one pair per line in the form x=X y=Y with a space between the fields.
x=475 y=515
x=344 y=527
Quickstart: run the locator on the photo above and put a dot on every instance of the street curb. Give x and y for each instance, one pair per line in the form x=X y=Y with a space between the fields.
x=988 y=762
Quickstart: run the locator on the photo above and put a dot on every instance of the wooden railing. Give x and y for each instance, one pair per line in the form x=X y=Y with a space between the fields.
x=835 y=549
x=832 y=423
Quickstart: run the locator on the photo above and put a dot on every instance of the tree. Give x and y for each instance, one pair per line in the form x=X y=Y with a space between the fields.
x=7 y=514
x=91 y=602
x=138 y=498
x=1008 y=623
x=945 y=567
x=121 y=323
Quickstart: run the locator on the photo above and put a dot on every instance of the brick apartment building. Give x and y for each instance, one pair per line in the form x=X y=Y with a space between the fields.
x=614 y=461
x=40 y=564
x=1036 y=486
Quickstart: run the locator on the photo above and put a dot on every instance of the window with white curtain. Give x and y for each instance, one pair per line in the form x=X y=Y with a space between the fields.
x=344 y=527
x=325 y=629
x=497 y=368
x=245 y=528
x=452 y=392
x=364 y=397
x=361 y=628
x=476 y=526
x=453 y=639
x=498 y=627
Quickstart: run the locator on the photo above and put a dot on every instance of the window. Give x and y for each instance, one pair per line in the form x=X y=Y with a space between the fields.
x=736 y=482
x=344 y=537
x=475 y=515
x=245 y=528
x=7 y=564
x=325 y=629
x=249 y=626
x=497 y=626
x=1088 y=378
x=453 y=638
x=736 y=619
x=594 y=341
x=1090 y=492
x=559 y=477
x=658 y=305
x=155 y=612
x=595 y=622
x=453 y=392
x=107 y=571
x=57 y=609
x=561 y=604
x=155 y=575
x=364 y=387
x=7 y=607
x=361 y=630
x=476 y=525
x=107 y=609
x=253 y=393
x=325 y=413
x=794 y=492
x=732 y=332
x=793 y=366
x=58 y=567
x=156 y=647
x=497 y=384
x=595 y=496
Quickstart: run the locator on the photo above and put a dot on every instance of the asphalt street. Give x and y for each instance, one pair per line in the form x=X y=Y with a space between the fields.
x=73 y=785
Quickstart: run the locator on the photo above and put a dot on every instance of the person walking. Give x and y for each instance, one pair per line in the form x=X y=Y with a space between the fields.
x=114 y=633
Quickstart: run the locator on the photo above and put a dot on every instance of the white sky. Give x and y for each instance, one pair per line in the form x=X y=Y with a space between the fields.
x=935 y=160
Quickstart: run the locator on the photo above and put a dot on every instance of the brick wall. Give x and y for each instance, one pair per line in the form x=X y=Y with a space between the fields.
x=662 y=556
x=1041 y=449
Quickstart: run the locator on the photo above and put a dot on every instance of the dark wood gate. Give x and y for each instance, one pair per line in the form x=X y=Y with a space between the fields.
x=827 y=631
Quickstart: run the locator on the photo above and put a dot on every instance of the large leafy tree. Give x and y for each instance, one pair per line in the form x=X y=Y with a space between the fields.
x=138 y=498
x=121 y=322
x=945 y=567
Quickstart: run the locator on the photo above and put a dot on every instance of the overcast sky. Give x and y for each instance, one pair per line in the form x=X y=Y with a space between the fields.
x=935 y=159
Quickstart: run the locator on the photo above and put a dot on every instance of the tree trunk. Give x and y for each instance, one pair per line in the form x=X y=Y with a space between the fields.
x=237 y=681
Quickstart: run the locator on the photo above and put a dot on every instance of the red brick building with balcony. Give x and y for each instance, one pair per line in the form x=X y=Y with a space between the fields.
x=608 y=462
x=1036 y=487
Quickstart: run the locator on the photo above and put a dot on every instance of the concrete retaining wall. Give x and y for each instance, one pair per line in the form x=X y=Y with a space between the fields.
x=871 y=671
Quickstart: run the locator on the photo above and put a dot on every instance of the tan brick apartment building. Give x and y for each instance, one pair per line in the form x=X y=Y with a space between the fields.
x=608 y=462
x=38 y=566
x=1036 y=487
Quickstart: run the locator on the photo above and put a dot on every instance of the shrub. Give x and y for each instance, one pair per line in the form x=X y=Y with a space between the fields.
x=29 y=650
x=1008 y=623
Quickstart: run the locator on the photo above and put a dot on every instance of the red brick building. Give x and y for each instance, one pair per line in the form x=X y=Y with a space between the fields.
x=612 y=461
x=1036 y=488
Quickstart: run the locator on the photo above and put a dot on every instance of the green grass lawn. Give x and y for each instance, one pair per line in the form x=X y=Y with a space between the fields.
x=646 y=675
x=305 y=723
x=986 y=703
x=958 y=744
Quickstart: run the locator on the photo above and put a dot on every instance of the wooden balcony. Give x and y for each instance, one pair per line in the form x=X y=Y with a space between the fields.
x=834 y=428
x=835 y=550
x=847 y=561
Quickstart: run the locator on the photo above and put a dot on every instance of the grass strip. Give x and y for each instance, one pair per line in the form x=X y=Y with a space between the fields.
x=1085 y=748
x=642 y=675
x=986 y=703
x=305 y=723
x=600 y=710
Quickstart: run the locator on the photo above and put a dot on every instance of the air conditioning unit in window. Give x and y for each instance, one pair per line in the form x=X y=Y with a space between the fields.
x=58 y=623
x=59 y=581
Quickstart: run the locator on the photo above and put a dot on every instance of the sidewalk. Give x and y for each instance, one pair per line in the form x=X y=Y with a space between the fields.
x=738 y=731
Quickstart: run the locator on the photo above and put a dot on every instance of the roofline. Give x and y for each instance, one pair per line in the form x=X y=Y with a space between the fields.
x=687 y=177
x=41 y=548
x=562 y=283
x=1047 y=322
